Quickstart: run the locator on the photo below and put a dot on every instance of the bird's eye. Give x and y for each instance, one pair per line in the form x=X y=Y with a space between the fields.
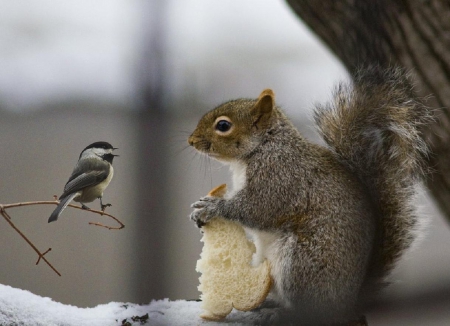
x=223 y=125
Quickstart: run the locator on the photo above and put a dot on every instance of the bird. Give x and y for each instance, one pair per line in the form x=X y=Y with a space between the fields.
x=90 y=177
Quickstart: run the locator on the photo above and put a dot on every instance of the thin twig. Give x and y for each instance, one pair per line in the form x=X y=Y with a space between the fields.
x=56 y=202
x=8 y=219
x=41 y=256
x=39 y=259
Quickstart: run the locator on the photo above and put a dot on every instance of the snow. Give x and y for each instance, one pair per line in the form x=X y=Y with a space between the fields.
x=21 y=307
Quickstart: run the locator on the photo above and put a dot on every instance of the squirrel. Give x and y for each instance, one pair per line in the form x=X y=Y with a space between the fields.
x=332 y=220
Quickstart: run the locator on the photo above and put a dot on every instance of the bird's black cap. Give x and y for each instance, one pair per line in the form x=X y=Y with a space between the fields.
x=100 y=144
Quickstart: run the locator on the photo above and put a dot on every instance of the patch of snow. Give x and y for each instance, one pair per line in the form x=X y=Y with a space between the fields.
x=21 y=307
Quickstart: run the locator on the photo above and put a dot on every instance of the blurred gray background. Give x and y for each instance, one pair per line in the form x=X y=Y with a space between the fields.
x=140 y=74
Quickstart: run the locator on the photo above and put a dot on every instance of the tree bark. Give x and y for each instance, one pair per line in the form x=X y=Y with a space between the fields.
x=411 y=33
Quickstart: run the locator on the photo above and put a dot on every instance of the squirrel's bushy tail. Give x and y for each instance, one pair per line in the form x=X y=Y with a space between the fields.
x=373 y=125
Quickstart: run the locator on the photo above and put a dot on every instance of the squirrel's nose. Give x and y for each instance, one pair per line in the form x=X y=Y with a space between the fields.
x=191 y=140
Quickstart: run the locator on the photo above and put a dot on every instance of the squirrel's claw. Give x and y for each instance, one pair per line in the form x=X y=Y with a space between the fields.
x=204 y=201
x=198 y=204
x=204 y=210
x=197 y=216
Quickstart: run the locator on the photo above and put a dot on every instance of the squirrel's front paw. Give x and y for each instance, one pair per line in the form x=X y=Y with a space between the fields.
x=205 y=209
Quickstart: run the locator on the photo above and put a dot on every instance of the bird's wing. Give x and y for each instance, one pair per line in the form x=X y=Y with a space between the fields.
x=84 y=180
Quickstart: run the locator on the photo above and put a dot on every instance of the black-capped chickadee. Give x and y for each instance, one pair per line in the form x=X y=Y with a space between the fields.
x=89 y=178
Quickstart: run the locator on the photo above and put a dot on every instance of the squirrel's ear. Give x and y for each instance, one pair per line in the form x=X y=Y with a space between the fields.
x=263 y=107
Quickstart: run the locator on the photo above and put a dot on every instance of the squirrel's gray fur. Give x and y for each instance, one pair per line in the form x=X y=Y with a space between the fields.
x=380 y=141
x=332 y=220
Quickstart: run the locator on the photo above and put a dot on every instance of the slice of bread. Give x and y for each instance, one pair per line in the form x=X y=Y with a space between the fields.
x=228 y=279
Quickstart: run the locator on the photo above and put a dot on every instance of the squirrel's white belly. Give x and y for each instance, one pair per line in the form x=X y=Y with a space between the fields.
x=239 y=177
x=267 y=246
x=265 y=243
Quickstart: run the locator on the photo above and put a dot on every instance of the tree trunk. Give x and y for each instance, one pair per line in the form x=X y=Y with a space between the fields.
x=412 y=33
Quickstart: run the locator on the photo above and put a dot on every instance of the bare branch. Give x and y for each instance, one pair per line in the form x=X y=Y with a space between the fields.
x=8 y=219
x=41 y=255
x=39 y=259
x=56 y=202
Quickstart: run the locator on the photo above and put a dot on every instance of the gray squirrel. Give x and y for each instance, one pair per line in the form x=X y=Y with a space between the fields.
x=334 y=220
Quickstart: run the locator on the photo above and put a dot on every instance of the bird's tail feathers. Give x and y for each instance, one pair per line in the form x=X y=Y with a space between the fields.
x=61 y=206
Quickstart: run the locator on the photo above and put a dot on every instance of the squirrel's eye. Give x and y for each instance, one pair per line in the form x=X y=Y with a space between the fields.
x=223 y=125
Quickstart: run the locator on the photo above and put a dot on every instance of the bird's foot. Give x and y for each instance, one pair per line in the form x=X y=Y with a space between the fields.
x=83 y=206
x=103 y=207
